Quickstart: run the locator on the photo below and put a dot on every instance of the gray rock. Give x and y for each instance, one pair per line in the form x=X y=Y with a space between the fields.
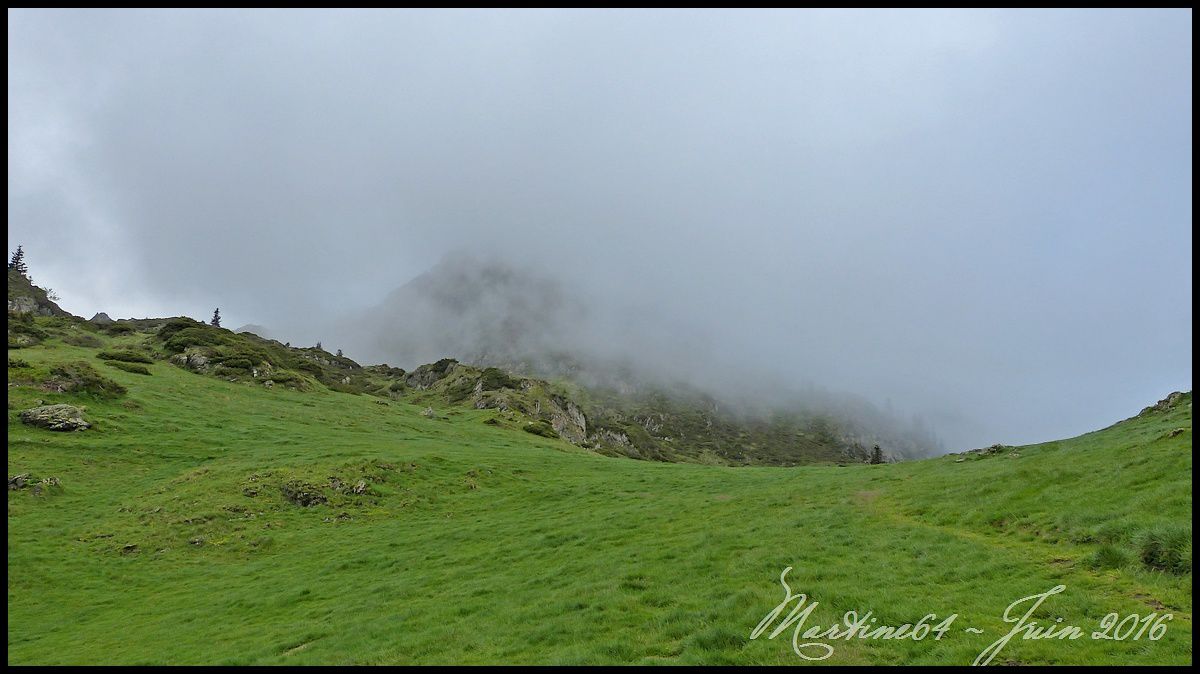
x=24 y=305
x=56 y=418
x=192 y=360
x=429 y=413
x=101 y=319
x=1166 y=404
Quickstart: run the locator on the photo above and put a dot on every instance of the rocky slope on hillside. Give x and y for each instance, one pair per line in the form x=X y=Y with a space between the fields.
x=623 y=419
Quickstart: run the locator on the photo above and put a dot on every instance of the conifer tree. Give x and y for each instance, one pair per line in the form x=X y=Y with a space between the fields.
x=216 y=319
x=17 y=262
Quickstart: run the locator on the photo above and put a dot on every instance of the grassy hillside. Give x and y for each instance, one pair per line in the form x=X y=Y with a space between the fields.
x=202 y=520
x=685 y=426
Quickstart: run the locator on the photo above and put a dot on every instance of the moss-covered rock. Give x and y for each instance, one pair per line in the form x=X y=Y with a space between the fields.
x=56 y=418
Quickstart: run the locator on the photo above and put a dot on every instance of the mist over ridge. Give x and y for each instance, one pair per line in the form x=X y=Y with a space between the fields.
x=488 y=313
x=982 y=217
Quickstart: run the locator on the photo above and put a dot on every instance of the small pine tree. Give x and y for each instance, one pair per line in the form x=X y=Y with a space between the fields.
x=339 y=353
x=876 y=455
x=319 y=346
x=216 y=319
x=17 y=262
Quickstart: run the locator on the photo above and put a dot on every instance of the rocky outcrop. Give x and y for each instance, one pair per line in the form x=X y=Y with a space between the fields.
x=427 y=375
x=56 y=418
x=101 y=319
x=608 y=438
x=192 y=359
x=27 y=305
x=26 y=298
x=1166 y=404
x=302 y=493
x=37 y=486
x=566 y=418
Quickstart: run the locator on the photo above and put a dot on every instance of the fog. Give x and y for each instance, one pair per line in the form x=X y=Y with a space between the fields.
x=981 y=217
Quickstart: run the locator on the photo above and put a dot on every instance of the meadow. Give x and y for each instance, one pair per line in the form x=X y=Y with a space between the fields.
x=175 y=535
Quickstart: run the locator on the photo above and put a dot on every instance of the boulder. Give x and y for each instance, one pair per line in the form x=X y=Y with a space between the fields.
x=56 y=418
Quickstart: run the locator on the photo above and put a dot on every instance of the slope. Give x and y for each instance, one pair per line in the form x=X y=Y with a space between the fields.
x=207 y=521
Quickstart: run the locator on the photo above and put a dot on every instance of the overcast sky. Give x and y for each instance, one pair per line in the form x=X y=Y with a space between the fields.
x=984 y=217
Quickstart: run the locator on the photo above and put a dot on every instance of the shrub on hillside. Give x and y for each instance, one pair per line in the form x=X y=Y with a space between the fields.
x=495 y=379
x=311 y=368
x=283 y=377
x=460 y=390
x=83 y=339
x=80 y=377
x=23 y=332
x=236 y=363
x=195 y=336
x=541 y=428
x=243 y=356
x=119 y=328
x=128 y=367
x=125 y=356
x=174 y=326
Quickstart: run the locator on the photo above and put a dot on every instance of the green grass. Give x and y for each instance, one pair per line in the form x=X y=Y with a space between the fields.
x=172 y=538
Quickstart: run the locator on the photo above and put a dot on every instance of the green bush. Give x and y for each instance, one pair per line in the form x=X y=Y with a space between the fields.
x=1166 y=548
x=311 y=368
x=119 y=328
x=541 y=428
x=85 y=340
x=125 y=356
x=460 y=390
x=17 y=363
x=495 y=379
x=195 y=336
x=128 y=367
x=174 y=326
x=243 y=355
x=82 y=378
x=22 y=331
x=236 y=363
